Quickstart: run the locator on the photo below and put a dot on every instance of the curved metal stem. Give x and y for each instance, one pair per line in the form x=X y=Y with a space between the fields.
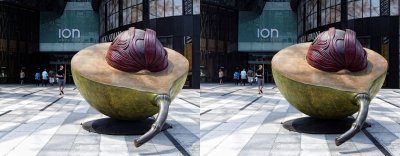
x=362 y=101
x=163 y=102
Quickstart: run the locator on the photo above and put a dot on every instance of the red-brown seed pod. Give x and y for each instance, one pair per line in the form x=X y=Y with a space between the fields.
x=134 y=50
x=335 y=49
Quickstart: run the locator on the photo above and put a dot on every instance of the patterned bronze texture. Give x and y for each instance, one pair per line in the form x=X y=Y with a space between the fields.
x=134 y=50
x=335 y=49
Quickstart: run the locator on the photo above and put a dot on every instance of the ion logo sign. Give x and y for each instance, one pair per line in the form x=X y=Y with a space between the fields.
x=267 y=33
x=69 y=33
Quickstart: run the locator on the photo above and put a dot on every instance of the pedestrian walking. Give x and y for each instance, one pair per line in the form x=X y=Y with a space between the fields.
x=22 y=76
x=236 y=77
x=37 y=77
x=250 y=76
x=260 y=78
x=45 y=78
x=60 y=75
x=221 y=76
x=243 y=77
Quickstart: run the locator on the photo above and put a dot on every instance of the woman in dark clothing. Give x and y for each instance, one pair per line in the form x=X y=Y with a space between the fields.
x=260 y=78
x=60 y=81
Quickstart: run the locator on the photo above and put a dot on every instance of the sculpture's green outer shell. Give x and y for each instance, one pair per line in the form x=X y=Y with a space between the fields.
x=321 y=102
x=119 y=102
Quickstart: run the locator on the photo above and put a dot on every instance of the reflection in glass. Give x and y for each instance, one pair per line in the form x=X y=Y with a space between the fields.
x=375 y=8
x=328 y=15
x=196 y=7
x=358 y=9
x=323 y=17
x=134 y=14
x=366 y=8
x=169 y=8
x=333 y=13
x=160 y=8
x=140 y=12
x=338 y=13
x=177 y=7
x=350 y=10
x=153 y=9
x=394 y=7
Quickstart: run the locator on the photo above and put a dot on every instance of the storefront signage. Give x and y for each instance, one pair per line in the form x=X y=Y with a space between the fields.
x=267 y=33
x=275 y=28
x=69 y=33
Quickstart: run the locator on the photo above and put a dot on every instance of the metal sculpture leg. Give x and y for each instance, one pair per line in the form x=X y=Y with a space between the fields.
x=362 y=101
x=163 y=102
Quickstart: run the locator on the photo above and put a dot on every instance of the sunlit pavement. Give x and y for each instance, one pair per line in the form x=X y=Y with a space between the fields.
x=38 y=121
x=236 y=120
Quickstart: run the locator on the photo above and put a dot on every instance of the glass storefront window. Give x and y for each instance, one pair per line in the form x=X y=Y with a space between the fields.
x=160 y=8
x=394 y=7
x=196 y=7
x=112 y=14
x=169 y=8
x=375 y=8
x=358 y=9
x=177 y=7
x=152 y=9
x=366 y=9
x=350 y=10
x=132 y=11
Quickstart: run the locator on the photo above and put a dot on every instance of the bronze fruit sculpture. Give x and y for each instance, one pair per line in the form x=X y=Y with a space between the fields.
x=330 y=78
x=132 y=78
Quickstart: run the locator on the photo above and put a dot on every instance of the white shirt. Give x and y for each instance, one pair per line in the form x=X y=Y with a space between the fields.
x=44 y=75
x=243 y=74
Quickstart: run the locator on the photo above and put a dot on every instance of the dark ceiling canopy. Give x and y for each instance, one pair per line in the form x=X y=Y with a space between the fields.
x=95 y=5
x=56 y=6
x=240 y=5
x=294 y=4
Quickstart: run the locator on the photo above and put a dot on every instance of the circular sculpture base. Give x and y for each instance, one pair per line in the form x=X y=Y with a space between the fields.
x=319 y=126
x=120 y=127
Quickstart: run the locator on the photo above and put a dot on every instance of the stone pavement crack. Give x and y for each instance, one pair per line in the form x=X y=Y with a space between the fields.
x=176 y=144
x=244 y=107
x=231 y=92
x=189 y=102
x=5 y=113
x=44 y=108
x=205 y=112
x=31 y=93
x=376 y=143
x=388 y=102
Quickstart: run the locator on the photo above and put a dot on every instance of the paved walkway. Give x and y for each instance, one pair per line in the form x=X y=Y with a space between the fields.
x=236 y=120
x=38 y=121
x=233 y=120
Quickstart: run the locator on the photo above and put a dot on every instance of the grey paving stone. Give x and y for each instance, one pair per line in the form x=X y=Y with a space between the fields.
x=69 y=129
x=186 y=139
x=7 y=117
x=53 y=153
x=385 y=138
x=30 y=127
x=275 y=117
x=75 y=118
x=60 y=143
x=285 y=149
x=347 y=148
x=288 y=138
x=84 y=149
x=91 y=139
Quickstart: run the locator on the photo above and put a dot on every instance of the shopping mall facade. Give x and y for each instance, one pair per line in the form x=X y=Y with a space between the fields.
x=43 y=34
x=251 y=35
